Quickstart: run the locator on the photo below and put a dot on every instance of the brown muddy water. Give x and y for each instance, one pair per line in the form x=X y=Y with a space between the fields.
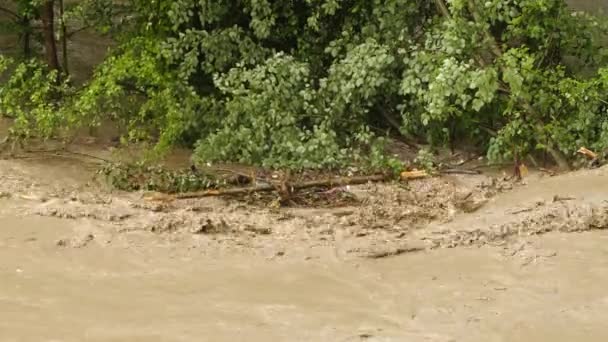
x=145 y=292
x=79 y=263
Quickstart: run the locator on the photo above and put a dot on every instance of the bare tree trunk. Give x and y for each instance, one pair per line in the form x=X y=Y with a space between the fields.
x=48 y=33
x=27 y=33
x=64 y=39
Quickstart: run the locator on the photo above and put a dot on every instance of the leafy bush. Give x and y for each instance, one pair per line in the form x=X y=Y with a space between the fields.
x=308 y=84
x=501 y=75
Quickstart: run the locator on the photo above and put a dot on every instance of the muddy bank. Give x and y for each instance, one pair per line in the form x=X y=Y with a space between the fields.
x=385 y=219
x=383 y=216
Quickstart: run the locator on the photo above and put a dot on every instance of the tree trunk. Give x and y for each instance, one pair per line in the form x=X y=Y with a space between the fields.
x=48 y=33
x=64 y=39
x=27 y=32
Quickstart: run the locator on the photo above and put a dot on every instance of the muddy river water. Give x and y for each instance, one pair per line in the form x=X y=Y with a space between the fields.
x=90 y=277
x=147 y=293
x=71 y=271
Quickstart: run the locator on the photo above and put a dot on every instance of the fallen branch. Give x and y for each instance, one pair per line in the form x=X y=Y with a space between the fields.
x=331 y=182
x=551 y=173
x=58 y=153
x=394 y=252
x=460 y=172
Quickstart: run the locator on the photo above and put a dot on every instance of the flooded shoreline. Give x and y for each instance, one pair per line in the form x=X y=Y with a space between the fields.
x=528 y=263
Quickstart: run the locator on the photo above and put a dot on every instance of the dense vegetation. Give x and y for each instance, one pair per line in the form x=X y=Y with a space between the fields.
x=316 y=83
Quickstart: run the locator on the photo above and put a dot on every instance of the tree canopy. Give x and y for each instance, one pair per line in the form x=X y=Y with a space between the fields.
x=317 y=83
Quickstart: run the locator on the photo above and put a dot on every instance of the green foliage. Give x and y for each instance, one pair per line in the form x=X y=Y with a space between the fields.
x=270 y=119
x=140 y=176
x=426 y=160
x=504 y=70
x=133 y=88
x=31 y=96
x=275 y=116
x=300 y=84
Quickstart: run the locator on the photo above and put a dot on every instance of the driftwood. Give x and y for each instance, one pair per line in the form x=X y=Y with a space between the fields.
x=459 y=172
x=595 y=159
x=415 y=174
x=587 y=153
x=330 y=182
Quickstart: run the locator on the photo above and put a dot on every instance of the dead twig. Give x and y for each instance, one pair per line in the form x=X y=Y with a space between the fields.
x=394 y=252
x=527 y=209
x=461 y=162
x=492 y=166
x=460 y=172
x=520 y=211
x=551 y=173
x=60 y=153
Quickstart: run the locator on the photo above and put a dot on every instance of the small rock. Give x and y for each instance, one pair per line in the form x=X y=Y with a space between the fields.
x=83 y=241
x=209 y=227
x=469 y=205
x=78 y=242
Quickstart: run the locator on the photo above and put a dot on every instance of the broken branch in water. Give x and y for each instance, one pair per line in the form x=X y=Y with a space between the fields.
x=330 y=182
x=459 y=172
x=394 y=252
